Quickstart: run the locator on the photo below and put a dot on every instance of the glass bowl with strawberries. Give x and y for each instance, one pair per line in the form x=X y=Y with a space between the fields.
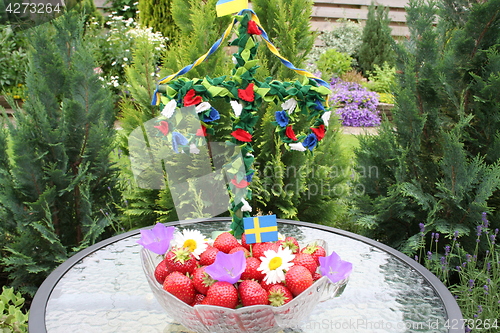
x=230 y=286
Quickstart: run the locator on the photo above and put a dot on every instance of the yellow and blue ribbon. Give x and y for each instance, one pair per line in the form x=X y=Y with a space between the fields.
x=217 y=44
x=227 y=7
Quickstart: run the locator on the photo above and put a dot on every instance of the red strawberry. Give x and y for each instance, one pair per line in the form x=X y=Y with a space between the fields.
x=292 y=244
x=180 y=286
x=161 y=272
x=267 y=286
x=316 y=276
x=251 y=272
x=201 y=280
x=222 y=293
x=252 y=293
x=244 y=242
x=306 y=260
x=279 y=295
x=315 y=250
x=225 y=242
x=180 y=260
x=198 y=299
x=297 y=279
x=207 y=258
x=258 y=249
x=240 y=248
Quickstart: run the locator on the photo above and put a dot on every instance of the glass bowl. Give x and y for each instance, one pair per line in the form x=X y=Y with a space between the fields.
x=255 y=319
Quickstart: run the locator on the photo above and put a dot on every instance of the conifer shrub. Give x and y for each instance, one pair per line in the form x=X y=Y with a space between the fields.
x=437 y=161
x=377 y=45
x=157 y=14
x=55 y=172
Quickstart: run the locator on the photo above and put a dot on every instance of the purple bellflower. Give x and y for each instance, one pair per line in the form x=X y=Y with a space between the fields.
x=227 y=267
x=158 y=239
x=334 y=268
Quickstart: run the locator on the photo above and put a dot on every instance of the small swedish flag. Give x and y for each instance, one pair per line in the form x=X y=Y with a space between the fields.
x=261 y=229
x=228 y=7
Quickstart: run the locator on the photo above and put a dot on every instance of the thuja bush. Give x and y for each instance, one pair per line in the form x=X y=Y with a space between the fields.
x=55 y=172
x=472 y=277
x=438 y=160
x=377 y=43
x=357 y=106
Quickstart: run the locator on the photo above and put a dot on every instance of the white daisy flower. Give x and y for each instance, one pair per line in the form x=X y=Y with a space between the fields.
x=326 y=117
x=204 y=106
x=275 y=264
x=169 y=109
x=246 y=206
x=193 y=240
x=297 y=146
x=289 y=105
x=237 y=107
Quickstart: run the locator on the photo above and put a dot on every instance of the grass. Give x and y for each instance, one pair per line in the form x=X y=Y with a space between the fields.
x=350 y=143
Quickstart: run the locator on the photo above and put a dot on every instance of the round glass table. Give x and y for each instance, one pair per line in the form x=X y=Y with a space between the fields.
x=103 y=289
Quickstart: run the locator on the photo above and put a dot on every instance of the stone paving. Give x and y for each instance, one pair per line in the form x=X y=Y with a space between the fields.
x=360 y=130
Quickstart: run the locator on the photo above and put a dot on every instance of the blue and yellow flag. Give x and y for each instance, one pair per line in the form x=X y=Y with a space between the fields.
x=261 y=229
x=228 y=7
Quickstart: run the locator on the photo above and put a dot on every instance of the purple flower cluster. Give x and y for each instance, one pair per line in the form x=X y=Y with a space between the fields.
x=356 y=105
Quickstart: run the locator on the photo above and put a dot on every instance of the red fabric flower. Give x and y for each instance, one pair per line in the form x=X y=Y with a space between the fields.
x=247 y=94
x=163 y=127
x=242 y=135
x=290 y=133
x=191 y=98
x=242 y=184
x=319 y=131
x=253 y=29
x=201 y=131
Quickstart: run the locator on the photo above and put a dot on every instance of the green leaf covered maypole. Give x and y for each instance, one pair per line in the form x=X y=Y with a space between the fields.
x=244 y=94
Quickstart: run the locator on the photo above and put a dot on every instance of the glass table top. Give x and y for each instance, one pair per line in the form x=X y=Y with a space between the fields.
x=107 y=292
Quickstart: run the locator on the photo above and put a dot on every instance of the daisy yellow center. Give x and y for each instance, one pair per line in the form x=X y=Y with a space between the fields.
x=275 y=263
x=190 y=244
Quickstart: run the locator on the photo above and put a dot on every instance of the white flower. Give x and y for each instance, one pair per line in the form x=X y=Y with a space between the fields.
x=289 y=105
x=125 y=59
x=297 y=146
x=169 y=109
x=193 y=149
x=326 y=117
x=275 y=264
x=246 y=206
x=204 y=106
x=125 y=8
x=192 y=240
x=237 y=107
x=235 y=61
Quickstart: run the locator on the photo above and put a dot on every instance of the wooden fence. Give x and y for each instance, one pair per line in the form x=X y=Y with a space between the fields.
x=327 y=12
